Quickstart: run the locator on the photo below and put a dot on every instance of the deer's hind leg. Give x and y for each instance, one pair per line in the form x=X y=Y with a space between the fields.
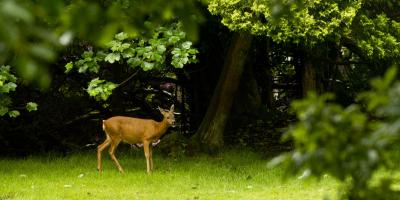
x=100 y=148
x=114 y=145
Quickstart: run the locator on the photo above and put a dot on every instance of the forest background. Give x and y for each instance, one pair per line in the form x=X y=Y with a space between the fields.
x=240 y=73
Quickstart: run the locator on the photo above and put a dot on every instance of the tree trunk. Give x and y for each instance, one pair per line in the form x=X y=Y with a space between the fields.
x=263 y=73
x=308 y=78
x=209 y=136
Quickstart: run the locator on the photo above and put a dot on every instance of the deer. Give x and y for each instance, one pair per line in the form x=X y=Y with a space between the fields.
x=134 y=131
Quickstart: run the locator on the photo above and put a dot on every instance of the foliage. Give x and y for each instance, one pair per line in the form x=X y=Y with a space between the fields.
x=33 y=32
x=351 y=143
x=379 y=36
x=7 y=80
x=167 y=44
x=87 y=63
x=23 y=34
x=100 y=90
x=31 y=106
x=36 y=30
x=8 y=84
x=312 y=21
x=361 y=25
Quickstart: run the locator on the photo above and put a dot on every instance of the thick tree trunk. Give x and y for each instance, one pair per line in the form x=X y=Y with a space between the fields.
x=209 y=136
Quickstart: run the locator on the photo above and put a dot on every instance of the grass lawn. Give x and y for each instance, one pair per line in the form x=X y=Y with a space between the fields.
x=231 y=175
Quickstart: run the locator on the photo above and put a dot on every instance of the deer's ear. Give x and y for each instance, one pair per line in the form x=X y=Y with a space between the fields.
x=160 y=109
x=172 y=108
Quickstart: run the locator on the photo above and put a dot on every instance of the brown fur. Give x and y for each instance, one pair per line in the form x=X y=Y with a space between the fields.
x=133 y=131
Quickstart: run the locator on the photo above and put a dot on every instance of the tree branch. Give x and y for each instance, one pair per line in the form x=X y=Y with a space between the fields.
x=129 y=78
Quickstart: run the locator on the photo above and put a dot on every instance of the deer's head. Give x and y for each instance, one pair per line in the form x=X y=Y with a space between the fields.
x=168 y=115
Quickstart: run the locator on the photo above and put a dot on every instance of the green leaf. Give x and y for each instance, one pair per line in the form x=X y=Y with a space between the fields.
x=112 y=57
x=123 y=47
x=148 y=55
x=177 y=63
x=173 y=39
x=185 y=60
x=128 y=53
x=121 y=36
x=193 y=51
x=5 y=102
x=100 y=89
x=94 y=67
x=114 y=45
x=134 y=62
x=83 y=68
x=176 y=51
x=141 y=43
x=6 y=88
x=69 y=66
x=181 y=34
x=31 y=106
x=186 y=45
x=161 y=48
x=168 y=33
x=157 y=58
x=87 y=54
x=6 y=75
x=100 y=56
x=14 y=113
x=3 y=110
x=147 y=66
x=140 y=51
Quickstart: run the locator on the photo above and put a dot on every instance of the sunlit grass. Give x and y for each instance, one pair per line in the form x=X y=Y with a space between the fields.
x=231 y=175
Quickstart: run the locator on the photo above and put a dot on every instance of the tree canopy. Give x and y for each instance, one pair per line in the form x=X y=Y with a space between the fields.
x=369 y=28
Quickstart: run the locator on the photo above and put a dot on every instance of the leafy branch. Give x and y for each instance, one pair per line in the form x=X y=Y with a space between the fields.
x=7 y=85
x=166 y=44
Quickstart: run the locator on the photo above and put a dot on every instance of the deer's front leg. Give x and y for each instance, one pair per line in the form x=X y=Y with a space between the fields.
x=151 y=157
x=146 y=147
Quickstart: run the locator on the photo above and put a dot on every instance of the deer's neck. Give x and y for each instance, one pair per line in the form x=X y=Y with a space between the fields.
x=162 y=127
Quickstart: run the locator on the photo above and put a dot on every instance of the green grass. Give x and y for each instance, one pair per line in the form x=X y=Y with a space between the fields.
x=231 y=175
